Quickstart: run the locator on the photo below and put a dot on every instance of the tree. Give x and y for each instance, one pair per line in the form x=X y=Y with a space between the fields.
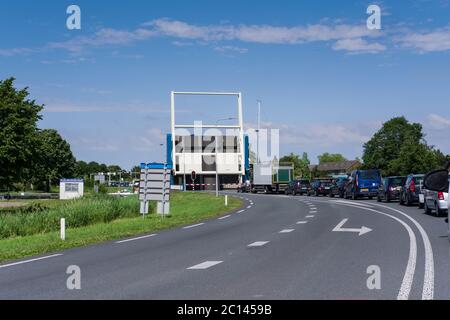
x=331 y=157
x=301 y=165
x=18 y=119
x=399 y=148
x=54 y=158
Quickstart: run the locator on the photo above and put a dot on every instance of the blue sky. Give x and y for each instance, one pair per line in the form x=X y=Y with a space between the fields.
x=326 y=81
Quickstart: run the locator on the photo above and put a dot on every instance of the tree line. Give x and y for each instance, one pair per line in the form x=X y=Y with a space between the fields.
x=398 y=148
x=31 y=157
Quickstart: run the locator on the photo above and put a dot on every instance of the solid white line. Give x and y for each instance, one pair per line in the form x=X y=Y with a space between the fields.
x=31 y=260
x=224 y=217
x=194 y=225
x=286 y=230
x=204 y=265
x=240 y=211
x=138 y=238
x=310 y=216
x=428 y=281
x=258 y=244
x=302 y=222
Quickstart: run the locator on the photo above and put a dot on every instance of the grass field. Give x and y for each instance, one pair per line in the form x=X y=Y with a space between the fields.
x=185 y=208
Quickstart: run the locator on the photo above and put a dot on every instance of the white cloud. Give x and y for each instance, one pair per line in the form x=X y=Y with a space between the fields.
x=262 y=34
x=358 y=45
x=231 y=49
x=438 y=122
x=104 y=37
x=14 y=52
x=431 y=41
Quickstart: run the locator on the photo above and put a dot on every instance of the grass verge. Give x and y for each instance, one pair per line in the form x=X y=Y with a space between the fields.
x=186 y=208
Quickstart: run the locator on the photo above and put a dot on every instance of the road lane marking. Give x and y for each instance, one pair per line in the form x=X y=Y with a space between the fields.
x=204 y=265
x=314 y=211
x=194 y=225
x=405 y=288
x=302 y=222
x=360 y=231
x=428 y=281
x=258 y=244
x=286 y=230
x=30 y=260
x=137 y=238
x=310 y=216
x=248 y=207
x=240 y=211
x=224 y=217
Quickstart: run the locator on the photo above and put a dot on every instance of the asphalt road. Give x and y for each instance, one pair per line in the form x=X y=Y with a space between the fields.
x=276 y=247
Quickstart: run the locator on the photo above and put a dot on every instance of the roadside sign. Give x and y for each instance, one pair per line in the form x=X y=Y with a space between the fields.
x=154 y=185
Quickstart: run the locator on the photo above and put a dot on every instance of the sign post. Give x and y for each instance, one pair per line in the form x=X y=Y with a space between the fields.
x=155 y=186
x=193 y=176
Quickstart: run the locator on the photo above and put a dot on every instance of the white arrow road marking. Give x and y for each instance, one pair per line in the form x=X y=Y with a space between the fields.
x=361 y=230
x=204 y=265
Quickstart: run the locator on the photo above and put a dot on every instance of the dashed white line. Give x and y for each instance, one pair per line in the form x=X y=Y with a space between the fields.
x=31 y=260
x=204 y=265
x=302 y=222
x=286 y=230
x=258 y=244
x=310 y=216
x=240 y=211
x=137 y=238
x=248 y=207
x=314 y=211
x=194 y=225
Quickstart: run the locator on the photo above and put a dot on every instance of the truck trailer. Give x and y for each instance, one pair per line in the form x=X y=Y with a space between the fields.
x=270 y=177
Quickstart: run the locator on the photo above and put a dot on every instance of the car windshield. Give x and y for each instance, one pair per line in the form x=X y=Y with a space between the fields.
x=418 y=180
x=369 y=174
x=397 y=181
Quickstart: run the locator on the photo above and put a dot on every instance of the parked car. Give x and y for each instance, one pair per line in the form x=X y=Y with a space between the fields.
x=338 y=187
x=391 y=188
x=320 y=187
x=439 y=181
x=411 y=189
x=436 y=201
x=363 y=183
x=301 y=186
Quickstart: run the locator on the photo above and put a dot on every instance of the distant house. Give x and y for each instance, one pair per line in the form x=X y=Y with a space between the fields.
x=336 y=168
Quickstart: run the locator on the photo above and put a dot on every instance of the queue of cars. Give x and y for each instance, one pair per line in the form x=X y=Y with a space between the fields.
x=407 y=190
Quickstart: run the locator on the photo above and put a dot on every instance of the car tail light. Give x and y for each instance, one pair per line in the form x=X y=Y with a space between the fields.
x=412 y=186
x=440 y=195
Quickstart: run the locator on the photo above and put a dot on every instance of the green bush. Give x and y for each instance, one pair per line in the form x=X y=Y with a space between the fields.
x=36 y=218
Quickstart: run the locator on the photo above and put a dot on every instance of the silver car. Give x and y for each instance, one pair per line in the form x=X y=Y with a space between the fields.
x=435 y=201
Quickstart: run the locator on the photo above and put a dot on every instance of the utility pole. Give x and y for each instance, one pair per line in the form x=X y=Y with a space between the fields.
x=257 y=130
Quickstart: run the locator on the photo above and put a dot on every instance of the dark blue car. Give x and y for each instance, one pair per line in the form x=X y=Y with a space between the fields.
x=363 y=183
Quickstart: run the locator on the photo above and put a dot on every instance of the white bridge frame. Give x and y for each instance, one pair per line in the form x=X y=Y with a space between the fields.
x=239 y=127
